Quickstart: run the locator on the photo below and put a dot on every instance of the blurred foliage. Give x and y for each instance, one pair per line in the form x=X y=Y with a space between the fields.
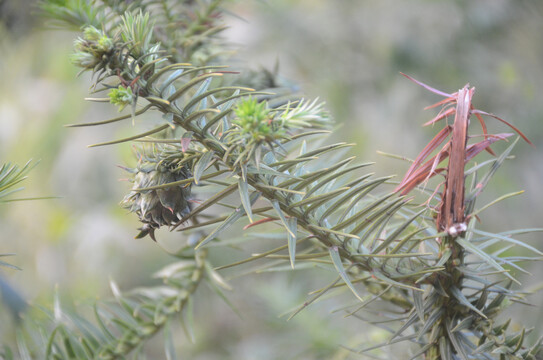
x=350 y=52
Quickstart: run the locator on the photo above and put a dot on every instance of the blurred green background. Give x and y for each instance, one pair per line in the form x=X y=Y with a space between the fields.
x=349 y=53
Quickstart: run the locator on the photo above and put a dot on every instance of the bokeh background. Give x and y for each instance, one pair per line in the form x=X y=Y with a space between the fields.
x=349 y=53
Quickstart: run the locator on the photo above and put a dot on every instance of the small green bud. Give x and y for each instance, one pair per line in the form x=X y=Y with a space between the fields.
x=254 y=119
x=105 y=43
x=92 y=48
x=84 y=60
x=251 y=111
x=91 y=33
x=121 y=96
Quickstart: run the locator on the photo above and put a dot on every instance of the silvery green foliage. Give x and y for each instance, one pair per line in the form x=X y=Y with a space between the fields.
x=268 y=162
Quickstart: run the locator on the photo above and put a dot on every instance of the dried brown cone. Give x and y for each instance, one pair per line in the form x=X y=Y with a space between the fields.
x=162 y=206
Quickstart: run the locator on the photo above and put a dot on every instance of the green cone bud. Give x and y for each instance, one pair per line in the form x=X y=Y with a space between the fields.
x=93 y=49
x=121 y=96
